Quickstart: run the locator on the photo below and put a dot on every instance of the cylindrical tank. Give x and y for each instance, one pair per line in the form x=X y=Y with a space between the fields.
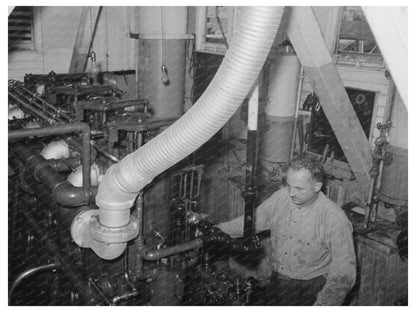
x=280 y=111
x=394 y=179
x=165 y=100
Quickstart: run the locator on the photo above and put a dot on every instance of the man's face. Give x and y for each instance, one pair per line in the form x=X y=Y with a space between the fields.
x=303 y=189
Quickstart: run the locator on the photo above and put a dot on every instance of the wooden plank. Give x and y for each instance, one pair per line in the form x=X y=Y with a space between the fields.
x=83 y=41
x=390 y=28
x=80 y=52
x=311 y=49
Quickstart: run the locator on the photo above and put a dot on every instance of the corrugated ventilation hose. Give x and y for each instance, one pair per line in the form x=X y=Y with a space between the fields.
x=254 y=36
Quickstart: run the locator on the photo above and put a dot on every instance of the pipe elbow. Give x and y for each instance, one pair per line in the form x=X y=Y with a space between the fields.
x=67 y=195
x=56 y=150
x=114 y=197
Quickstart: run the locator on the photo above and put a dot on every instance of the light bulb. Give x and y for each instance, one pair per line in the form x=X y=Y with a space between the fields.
x=165 y=77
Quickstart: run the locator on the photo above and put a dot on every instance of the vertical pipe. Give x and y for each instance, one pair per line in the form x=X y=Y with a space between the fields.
x=249 y=194
x=86 y=161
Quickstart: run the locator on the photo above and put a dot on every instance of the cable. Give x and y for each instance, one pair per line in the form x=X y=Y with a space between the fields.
x=165 y=76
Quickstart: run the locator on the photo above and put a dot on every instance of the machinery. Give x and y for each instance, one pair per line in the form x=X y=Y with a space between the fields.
x=73 y=128
x=77 y=143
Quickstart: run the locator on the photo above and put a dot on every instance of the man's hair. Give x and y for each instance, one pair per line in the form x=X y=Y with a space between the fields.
x=309 y=163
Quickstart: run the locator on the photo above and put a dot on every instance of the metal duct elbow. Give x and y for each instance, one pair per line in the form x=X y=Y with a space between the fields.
x=254 y=36
x=56 y=150
x=75 y=178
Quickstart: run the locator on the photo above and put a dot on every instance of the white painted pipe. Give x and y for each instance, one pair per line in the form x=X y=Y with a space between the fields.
x=75 y=178
x=16 y=112
x=56 y=150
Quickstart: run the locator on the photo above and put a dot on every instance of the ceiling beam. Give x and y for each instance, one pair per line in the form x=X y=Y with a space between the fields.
x=389 y=26
x=84 y=40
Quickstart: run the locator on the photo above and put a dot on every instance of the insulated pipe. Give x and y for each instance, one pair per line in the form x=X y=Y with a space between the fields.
x=156 y=254
x=56 y=150
x=85 y=131
x=239 y=70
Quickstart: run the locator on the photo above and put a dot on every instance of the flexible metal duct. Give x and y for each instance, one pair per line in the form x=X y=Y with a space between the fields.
x=239 y=70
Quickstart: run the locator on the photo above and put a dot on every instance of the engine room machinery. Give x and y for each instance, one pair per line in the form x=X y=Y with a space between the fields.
x=61 y=142
x=82 y=157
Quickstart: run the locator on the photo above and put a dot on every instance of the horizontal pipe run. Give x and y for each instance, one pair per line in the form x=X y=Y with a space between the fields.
x=70 y=196
x=29 y=273
x=65 y=164
x=48 y=131
x=104 y=152
x=65 y=77
x=65 y=260
x=85 y=131
x=35 y=111
x=29 y=98
x=153 y=255
x=113 y=105
x=56 y=111
x=63 y=192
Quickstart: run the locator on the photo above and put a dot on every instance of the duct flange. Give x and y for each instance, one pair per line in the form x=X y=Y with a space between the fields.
x=79 y=227
x=112 y=235
x=80 y=233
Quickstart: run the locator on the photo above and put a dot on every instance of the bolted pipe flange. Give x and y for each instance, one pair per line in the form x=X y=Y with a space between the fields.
x=114 y=235
x=80 y=227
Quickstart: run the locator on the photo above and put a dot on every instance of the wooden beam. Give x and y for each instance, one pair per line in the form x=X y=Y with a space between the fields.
x=305 y=35
x=389 y=26
x=83 y=41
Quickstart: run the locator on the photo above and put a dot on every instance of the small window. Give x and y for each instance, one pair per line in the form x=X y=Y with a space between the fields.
x=214 y=28
x=355 y=34
x=320 y=135
x=21 y=29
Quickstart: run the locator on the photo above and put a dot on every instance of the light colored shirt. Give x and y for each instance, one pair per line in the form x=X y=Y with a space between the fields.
x=307 y=242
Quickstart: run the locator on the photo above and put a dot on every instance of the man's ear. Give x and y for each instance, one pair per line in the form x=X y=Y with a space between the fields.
x=318 y=186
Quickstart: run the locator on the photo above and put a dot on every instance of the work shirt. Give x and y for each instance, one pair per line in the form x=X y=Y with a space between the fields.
x=307 y=241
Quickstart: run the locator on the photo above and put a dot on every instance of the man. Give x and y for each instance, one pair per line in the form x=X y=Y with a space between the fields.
x=312 y=258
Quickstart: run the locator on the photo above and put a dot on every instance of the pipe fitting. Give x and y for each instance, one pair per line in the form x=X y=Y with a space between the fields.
x=107 y=243
x=56 y=150
x=157 y=254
